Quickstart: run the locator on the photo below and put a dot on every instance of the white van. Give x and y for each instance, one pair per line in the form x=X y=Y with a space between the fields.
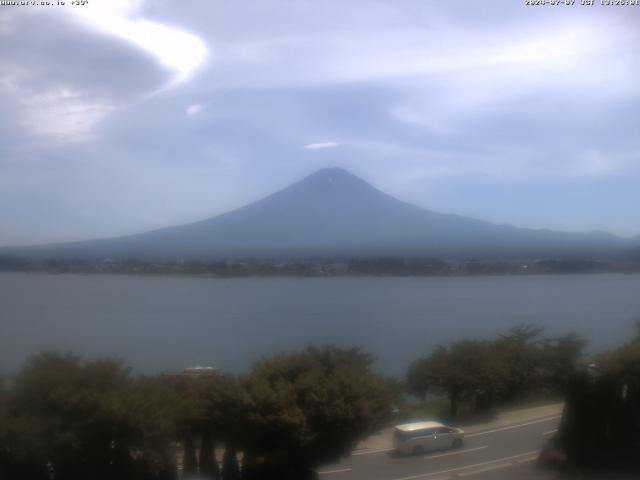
x=421 y=437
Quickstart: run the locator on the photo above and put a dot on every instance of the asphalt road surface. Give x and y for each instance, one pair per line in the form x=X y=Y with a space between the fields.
x=506 y=452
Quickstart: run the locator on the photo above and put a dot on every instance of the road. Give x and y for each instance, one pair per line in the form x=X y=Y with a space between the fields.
x=504 y=452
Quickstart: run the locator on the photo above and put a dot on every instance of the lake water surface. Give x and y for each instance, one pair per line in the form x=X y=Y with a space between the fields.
x=167 y=323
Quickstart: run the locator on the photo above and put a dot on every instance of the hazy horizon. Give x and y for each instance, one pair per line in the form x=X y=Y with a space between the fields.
x=319 y=176
x=125 y=116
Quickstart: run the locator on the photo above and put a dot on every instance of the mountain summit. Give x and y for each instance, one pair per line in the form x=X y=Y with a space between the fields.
x=333 y=212
x=332 y=180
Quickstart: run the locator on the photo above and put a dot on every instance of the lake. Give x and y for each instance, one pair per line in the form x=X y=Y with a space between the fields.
x=167 y=323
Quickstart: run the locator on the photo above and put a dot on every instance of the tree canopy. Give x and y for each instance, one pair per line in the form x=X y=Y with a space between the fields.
x=72 y=419
x=601 y=421
x=465 y=369
x=311 y=407
x=485 y=371
x=65 y=418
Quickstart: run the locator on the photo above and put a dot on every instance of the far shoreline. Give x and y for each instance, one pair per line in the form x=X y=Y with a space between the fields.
x=293 y=276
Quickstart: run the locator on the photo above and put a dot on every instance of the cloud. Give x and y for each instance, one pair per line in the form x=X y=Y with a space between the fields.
x=55 y=85
x=389 y=42
x=79 y=65
x=321 y=145
x=63 y=114
x=176 y=49
x=194 y=109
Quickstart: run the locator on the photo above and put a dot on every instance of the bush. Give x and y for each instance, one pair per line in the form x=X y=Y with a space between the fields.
x=312 y=407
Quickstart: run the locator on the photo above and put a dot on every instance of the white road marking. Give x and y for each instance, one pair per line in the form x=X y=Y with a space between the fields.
x=520 y=425
x=339 y=470
x=550 y=432
x=467 y=467
x=369 y=452
x=458 y=452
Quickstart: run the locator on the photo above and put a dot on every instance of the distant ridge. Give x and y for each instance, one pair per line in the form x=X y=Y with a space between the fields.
x=332 y=212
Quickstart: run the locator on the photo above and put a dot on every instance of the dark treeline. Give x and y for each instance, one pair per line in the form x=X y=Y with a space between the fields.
x=62 y=418
x=483 y=373
x=395 y=266
x=66 y=419
x=601 y=424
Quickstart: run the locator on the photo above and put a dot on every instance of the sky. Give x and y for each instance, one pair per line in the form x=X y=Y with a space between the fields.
x=121 y=116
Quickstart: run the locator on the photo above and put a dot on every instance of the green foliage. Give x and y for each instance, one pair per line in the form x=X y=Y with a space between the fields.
x=559 y=358
x=209 y=407
x=624 y=360
x=70 y=419
x=468 y=369
x=225 y=406
x=521 y=347
x=5 y=453
x=601 y=421
x=76 y=413
x=483 y=372
x=311 y=407
x=76 y=420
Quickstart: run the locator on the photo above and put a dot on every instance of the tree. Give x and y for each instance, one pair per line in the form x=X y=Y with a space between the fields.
x=189 y=458
x=559 y=358
x=5 y=449
x=312 y=407
x=76 y=413
x=208 y=464
x=156 y=410
x=601 y=420
x=484 y=372
x=521 y=347
x=76 y=420
x=230 y=468
x=224 y=409
x=191 y=421
x=211 y=407
x=250 y=467
x=418 y=379
x=468 y=369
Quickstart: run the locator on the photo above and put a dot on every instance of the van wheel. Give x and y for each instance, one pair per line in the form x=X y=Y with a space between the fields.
x=457 y=443
x=418 y=450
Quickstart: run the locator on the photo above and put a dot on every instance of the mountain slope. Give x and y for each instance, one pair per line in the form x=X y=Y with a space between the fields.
x=332 y=212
